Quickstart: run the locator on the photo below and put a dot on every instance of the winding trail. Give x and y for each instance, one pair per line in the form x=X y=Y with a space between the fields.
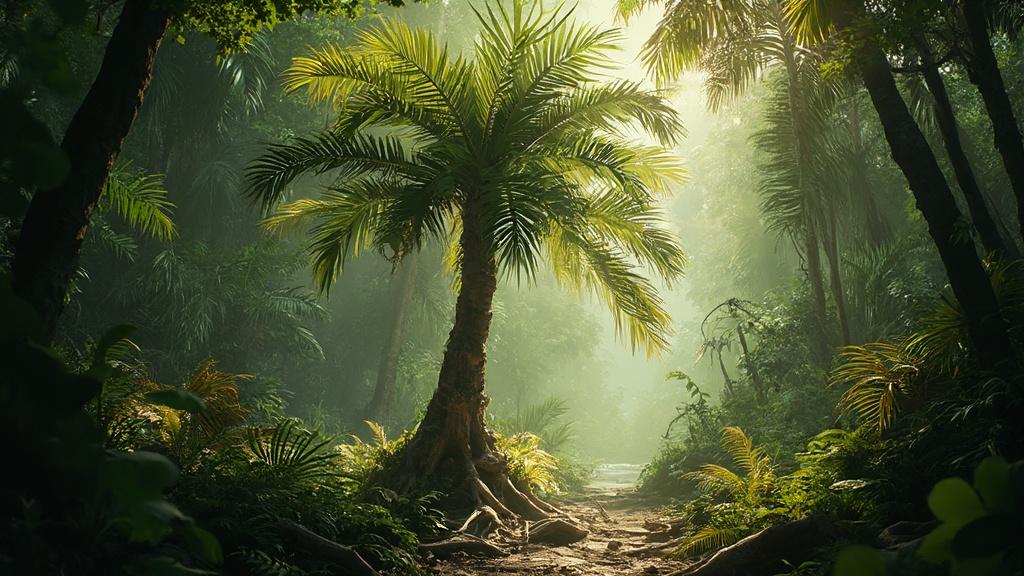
x=623 y=528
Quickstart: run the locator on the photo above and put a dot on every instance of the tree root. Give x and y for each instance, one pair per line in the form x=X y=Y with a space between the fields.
x=324 y=549
x=463 y=543
x=760 y=553
x=556 y=531
x=482 y=522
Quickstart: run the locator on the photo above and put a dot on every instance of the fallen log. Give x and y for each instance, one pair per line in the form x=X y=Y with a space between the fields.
x=762 y=552
x=326 y=550
x=463 y=543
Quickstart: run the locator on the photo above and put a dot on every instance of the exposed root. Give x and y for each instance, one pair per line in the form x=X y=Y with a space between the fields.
x=463 y=543
x=323 y=549
x=482 y=522
x=761 y=552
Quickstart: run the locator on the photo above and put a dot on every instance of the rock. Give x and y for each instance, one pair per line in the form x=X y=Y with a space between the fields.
x=614 y=545
x=902 y=533
x=556 y=531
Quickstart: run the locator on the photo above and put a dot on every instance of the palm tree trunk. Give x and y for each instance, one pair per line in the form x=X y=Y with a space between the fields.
x=983 y=70
x=379 y=409
x=55 y=226
x=454 y=427
x=981 y=217
x=985 y=325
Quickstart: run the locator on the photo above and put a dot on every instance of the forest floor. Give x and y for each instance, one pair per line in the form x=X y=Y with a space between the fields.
x=622 y=524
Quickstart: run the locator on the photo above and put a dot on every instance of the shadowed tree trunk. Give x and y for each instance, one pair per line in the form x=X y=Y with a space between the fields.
x=379 y=409
x=755 y=376
x=57 y=220
x=835 y=276
x=981 y=217
x=875 y=225
x=811 y=240
x=454 y=431
x=968 y=279
x=983 y=70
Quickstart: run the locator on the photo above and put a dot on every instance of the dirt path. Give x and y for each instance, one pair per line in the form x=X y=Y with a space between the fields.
x=619 y=522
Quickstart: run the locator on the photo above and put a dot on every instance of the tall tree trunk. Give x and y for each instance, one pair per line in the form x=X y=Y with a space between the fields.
x=985 y=325
x=983 y=70
x=57 y=220
x=381 y=404
x=876 y=228
x=835 y=276
x=811 y=240
x=980 y=214
x=454 y=429
x=755 y=377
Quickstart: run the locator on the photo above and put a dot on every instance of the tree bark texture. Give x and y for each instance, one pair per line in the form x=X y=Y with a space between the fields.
x=968 y=279
x=981 y=217
x=57 y=220
x=983 y=70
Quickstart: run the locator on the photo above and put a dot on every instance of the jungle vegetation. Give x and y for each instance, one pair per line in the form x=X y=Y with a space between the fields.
x=348 y=286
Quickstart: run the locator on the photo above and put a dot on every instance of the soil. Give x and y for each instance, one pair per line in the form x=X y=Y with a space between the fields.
x=619 y=521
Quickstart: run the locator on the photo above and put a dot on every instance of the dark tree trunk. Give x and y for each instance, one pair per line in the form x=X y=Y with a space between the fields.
x=380 y=406
x=835 y=276
x=755 y=377
x=57 y=220
x=983 y=71
x=454 y=428
x=725 y=374
x=980 y=214
x=985 y=325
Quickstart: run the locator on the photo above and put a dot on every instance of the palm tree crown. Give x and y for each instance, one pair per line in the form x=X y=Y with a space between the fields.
x=524 y=138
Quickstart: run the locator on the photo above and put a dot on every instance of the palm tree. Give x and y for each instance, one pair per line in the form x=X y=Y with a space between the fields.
x=515 y=155
x=734 y=43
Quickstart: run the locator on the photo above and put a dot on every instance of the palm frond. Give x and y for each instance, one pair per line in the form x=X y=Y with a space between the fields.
x=140 y=200
x=709 y=538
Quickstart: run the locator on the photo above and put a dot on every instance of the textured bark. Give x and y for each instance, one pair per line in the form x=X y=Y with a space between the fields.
x=763 y=552
x=968 y=279
x=55 y=226
x=380 y=407
x=324 y=550
x=454 y=427
x=983 y=70
x=981 y=216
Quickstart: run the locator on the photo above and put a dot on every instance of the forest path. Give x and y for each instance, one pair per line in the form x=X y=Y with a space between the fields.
x=620 y=522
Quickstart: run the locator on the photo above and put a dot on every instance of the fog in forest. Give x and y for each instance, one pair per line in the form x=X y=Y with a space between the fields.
x=512 y=287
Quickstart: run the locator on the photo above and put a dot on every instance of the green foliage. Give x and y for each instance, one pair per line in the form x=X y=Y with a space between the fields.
x=528 y=464
x=524 y=131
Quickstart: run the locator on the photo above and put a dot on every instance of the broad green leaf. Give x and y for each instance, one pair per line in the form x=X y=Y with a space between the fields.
x=937 y=546
x=177 y=399
x=202 y=542
x=954 y=502
x=859 y=561
x=992 y=481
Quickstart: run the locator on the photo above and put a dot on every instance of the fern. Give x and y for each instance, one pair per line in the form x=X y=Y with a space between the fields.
x=709 y=538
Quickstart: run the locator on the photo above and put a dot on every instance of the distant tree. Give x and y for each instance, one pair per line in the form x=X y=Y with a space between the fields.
x=58 y=216
x=516 y=155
